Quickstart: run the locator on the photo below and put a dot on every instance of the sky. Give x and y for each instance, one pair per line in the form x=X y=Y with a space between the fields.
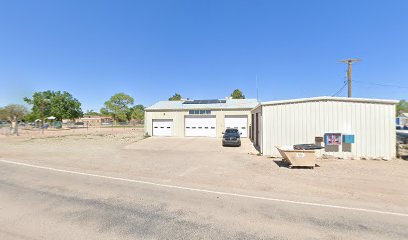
x=201 y=49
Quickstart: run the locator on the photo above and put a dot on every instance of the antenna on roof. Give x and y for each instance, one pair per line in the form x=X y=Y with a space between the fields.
x=257 y=95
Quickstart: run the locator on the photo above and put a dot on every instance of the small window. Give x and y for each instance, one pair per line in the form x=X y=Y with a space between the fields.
x=196 y=111
x=191 y=112
x=168 y=127
x=212 y=127
x=243 y=127
x=155 y=127
x=206 y=127
x=207 y=111
x=188 y=127
x=161 y=127
x=194 y=127
x=200 y=127
x=202 y=111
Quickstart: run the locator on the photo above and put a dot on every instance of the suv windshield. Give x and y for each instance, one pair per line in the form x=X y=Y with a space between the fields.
x=231 y=130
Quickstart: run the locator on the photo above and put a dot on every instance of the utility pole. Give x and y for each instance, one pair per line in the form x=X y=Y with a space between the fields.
x=350 y=62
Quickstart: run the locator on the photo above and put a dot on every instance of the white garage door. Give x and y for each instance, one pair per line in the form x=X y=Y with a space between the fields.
x=237 y=122
x=162 y=127
x=200 y=126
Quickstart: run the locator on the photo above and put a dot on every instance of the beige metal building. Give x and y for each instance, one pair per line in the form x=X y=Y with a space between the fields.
x=198 y=118
x=346 y=127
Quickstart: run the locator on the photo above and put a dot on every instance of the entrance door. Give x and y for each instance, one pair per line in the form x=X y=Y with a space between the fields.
x=252 y=126
x=257 y=129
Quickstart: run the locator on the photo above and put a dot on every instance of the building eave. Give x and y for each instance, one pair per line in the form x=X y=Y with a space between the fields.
x=326 y=98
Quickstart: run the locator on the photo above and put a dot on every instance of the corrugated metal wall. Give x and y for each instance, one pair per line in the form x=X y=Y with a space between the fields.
x=373 y=125
x=178 y=119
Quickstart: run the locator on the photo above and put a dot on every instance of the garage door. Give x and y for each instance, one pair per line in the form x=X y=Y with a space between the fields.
x=237 y=122
x=162 y=127
x=200 y=126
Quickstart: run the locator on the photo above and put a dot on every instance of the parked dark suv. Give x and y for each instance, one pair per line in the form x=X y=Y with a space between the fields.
x=231 y=137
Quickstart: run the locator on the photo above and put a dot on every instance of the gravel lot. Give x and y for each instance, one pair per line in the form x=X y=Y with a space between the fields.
x=88 y=206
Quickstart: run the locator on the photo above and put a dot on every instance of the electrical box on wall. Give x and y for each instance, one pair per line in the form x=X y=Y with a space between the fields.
x=332 y=139
x=319 y=141
x=348 y=138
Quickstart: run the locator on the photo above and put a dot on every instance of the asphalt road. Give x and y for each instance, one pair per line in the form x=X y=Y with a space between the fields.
x=45 y=204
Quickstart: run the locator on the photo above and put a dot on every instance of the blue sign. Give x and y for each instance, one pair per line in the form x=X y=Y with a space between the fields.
x=348 y=139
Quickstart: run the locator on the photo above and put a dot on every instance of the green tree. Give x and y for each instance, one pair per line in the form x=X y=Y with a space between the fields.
x=175 y=97
x=61 y=105
x=402 y=107
x=105 y=112
x=91 y=112
x=118 y=106
x=137 y=113
x=237 y=94
x=13 y=113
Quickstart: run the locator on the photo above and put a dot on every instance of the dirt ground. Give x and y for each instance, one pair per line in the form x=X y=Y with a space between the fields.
x=109 y=132
x=203 y=161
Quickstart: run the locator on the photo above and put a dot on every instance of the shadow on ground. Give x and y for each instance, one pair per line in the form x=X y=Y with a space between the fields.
x=282 y=163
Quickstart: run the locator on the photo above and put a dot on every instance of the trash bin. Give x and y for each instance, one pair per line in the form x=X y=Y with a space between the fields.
x=296 y=157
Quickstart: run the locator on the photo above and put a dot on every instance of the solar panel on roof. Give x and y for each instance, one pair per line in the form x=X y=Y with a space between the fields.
x=211 y=101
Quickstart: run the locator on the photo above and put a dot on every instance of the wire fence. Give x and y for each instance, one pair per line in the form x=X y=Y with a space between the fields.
x=50 y=129
x=5 y=129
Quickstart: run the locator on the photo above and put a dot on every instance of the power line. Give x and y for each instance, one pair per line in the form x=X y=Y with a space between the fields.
x=345 y=83
x=340 y=90
x=381 y=84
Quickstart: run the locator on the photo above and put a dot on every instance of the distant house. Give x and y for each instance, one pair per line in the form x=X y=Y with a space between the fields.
x=66 y=121
x=402 y=119
x=94 y=120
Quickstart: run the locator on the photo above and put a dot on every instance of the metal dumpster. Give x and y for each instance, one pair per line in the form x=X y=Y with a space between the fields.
x=297 y=158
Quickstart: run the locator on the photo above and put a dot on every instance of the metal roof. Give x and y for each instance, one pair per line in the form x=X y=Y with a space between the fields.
x=325 y=98
x=222 y=104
